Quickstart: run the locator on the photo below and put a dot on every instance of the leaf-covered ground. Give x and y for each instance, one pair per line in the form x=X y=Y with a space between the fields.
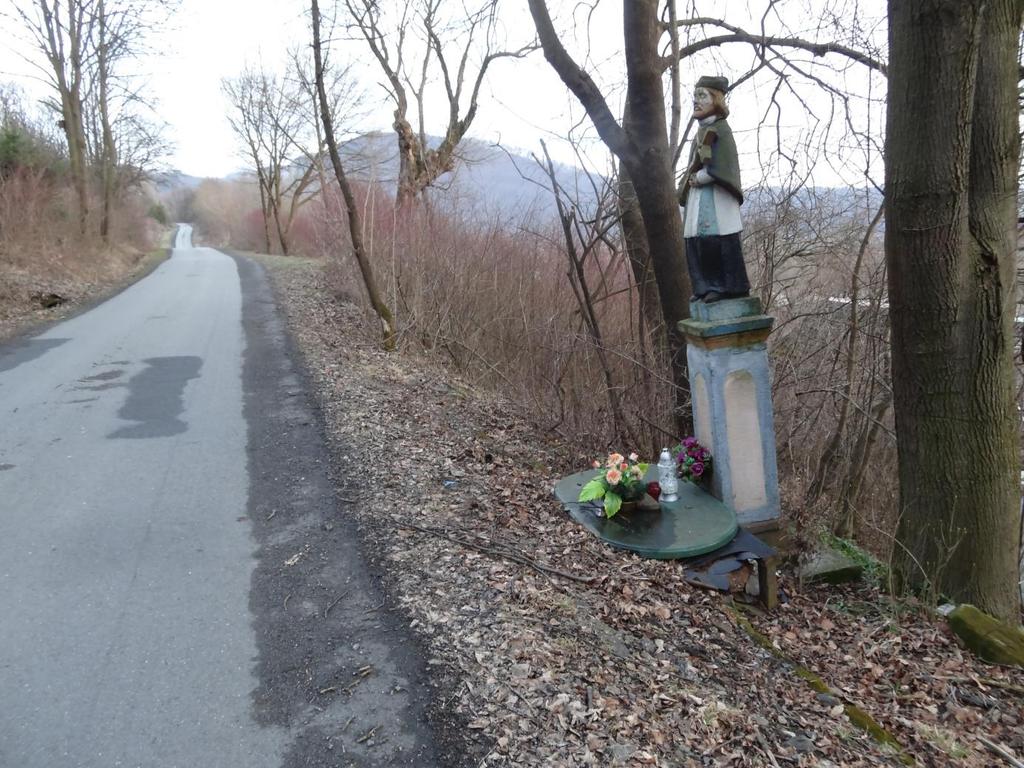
x=558 y=651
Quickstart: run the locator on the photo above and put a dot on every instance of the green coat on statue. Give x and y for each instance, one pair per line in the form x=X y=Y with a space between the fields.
x=714 y=150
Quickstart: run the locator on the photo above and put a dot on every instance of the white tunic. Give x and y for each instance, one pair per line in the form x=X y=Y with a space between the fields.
x=710 y=210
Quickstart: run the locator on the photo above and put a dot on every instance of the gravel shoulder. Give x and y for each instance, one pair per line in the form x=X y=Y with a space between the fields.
x=546 y=648
x=338 y=671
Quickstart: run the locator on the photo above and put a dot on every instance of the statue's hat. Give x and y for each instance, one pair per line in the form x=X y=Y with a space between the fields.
x=716 y=82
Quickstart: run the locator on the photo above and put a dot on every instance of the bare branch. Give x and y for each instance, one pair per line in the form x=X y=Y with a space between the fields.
x=582 y=85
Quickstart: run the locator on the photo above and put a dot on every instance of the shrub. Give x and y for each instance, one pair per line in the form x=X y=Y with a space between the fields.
x=158 y=213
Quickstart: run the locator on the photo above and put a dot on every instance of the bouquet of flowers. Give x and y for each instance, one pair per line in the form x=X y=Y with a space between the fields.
x=619 y=479
x=693 y=460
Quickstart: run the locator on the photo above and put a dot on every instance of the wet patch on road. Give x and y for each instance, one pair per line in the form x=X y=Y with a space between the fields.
x=105 y=376
x=20 y=352
x=101 y=387
x=156 y=397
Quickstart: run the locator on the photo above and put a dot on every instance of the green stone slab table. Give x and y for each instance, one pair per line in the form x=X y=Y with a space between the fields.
x=695 y=524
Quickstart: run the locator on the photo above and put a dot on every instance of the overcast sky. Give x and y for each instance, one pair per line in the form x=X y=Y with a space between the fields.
x=522 y=102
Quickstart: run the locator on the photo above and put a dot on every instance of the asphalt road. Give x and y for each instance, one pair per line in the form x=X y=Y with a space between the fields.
x=177 y=583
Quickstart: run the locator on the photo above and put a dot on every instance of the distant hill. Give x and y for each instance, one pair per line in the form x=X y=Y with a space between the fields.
x=170 y=180
x=490 y=182
x=487 y=179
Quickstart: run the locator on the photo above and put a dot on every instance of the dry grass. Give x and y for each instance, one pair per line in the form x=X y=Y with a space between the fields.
x=41 y=251
x=493 y=301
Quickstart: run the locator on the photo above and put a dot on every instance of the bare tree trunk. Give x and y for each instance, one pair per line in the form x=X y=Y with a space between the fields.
x=75 y=135
x=108 y=156
x=354 y=222
x=651 y=173
x=64 y=47
x=644 y=151
x=261 y=183
x=952 y=150
x=279 y=228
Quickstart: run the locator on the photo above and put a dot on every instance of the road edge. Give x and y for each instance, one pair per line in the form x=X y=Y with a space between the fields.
x=270 y=445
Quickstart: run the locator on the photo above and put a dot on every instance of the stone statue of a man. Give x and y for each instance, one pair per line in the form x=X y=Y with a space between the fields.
x=711 y=194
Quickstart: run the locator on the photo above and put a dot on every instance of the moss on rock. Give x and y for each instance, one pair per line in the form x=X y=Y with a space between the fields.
x=988 y=637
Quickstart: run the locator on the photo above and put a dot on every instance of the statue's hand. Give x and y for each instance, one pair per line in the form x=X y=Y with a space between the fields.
x=701 y=178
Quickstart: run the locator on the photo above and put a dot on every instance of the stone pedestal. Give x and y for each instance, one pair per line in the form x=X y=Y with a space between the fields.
x=732 y=405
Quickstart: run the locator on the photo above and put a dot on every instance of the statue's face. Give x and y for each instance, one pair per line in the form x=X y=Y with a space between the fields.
x=703 y=103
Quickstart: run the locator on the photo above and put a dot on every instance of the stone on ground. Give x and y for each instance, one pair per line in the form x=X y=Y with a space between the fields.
x=828 y=566
x=988 y=637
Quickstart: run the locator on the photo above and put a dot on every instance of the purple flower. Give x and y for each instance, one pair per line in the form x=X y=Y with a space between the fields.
x=689 y=442
x=697 y=469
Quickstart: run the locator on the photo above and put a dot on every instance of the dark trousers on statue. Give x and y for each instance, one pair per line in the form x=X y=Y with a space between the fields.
x=716 y=266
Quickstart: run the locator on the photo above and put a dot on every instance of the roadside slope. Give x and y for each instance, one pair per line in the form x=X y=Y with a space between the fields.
x=22 y=290
x=556 y=650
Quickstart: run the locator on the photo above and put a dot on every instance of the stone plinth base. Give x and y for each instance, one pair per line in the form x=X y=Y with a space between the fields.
x=730 y=384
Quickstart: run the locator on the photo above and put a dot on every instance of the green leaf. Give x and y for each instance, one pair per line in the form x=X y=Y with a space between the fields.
x=612 y=503
x=592 y=490
x=643 y=467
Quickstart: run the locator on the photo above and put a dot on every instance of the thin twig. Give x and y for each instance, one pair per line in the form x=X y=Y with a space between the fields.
x=368 y=735
x=717 y=747
x=982 y=682
x=504 y=553
x=1001 y=752
x=766 y=749
x=337 y=600
x=522 y=699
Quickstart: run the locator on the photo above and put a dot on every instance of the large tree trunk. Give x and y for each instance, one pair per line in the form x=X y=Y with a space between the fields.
x=951 y=175
x=408 y=151
x=650 y=169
